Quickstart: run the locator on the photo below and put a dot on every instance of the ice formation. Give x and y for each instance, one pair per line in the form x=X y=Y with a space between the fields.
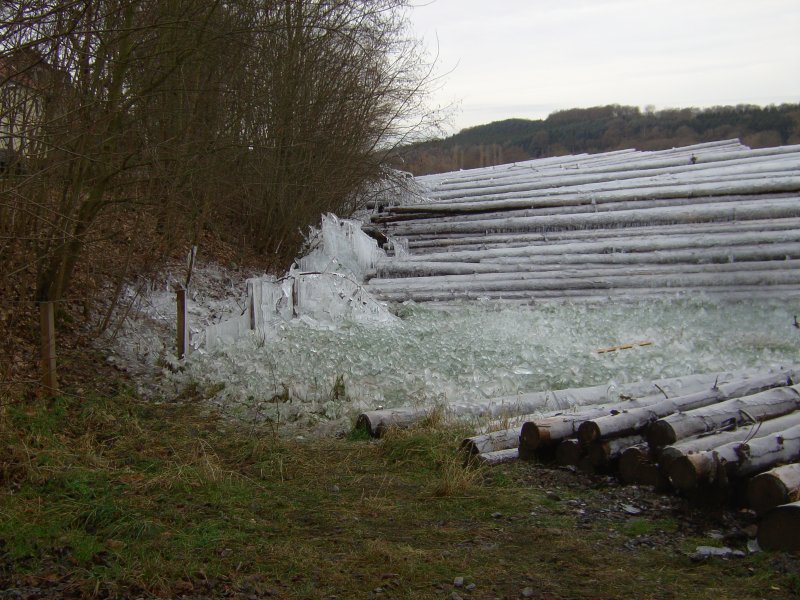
x=324 y=288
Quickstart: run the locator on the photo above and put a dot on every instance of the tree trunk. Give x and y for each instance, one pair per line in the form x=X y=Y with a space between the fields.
x=759 y=407
x=779 y=528
x=779 y=486
x=635 y=420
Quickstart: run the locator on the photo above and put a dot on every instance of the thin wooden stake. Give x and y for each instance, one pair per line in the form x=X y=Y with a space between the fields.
x=48 y=356
x=181 y=322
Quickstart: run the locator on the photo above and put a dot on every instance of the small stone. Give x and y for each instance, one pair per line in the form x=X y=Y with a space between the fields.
x=335 y=489
x=497 y=515
x=527 y=592
x=377 y=590
x=552 y=496
x=752 y=546
x=458 y=582
x=470 y=587
x=715 y=535
x=706 y=552
x=631 y=510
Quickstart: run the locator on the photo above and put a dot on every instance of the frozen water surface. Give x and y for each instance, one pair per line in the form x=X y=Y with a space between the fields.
x=438 y=353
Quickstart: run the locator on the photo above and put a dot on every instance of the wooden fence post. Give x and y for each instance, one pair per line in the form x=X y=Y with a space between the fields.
x=48 y=355
x=180 y=338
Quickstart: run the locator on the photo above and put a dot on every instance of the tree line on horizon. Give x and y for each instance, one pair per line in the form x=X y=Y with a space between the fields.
x=601 y=129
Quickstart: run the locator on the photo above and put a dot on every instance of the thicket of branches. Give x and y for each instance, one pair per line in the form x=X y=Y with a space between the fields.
x=131 y=127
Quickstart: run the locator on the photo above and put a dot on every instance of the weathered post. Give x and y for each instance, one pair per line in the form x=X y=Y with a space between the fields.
x=48 y=354
x=180 y=338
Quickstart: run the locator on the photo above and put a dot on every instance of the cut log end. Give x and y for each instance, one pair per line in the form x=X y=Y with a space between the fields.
x=765 y=492
x=779 y=528
x=660 y=434
x=688 y=472
x=569 y=452
x=588 y=432
x=363 y=422
x=532 y=436
x=629 y=463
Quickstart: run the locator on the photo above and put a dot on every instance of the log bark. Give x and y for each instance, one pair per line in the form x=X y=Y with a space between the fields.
x=705 y=442
x=765 y=405
x=735 y=460
x=780 y=528
x=780 y=485
x=636 y=419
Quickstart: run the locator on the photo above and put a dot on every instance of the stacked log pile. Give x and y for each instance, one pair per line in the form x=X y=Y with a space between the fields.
x=716 y=217
x=740 y=438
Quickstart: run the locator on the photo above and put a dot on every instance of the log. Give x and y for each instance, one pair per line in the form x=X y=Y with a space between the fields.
x=603 y=453
x=630 y=462
x=569 y=452
x=722 y=211
x=636 y=419
x=497 y=457
x=765 y=405
x=492 y=442
x=780 y=528
x=735 y=460
x=705 y=442
x=377 y=421
x=780 y=485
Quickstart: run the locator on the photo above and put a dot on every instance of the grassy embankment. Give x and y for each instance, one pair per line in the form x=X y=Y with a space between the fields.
x=115 y=496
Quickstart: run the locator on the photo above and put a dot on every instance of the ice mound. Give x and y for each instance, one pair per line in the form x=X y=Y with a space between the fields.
x=323 y=290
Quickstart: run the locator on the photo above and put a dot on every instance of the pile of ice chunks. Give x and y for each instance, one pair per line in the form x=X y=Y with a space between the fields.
x=435 y=353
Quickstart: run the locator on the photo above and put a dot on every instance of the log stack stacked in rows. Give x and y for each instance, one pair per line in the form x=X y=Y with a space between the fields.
x=739 y=438
x=716 y=217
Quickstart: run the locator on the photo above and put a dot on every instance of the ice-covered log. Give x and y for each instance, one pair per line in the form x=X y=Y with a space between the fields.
x=626 y=245
x=427 y=244
x=777 y=486
x=634 y=420
x=724 y=211
x=706 y=441
x=759 y=407
x=780 y=528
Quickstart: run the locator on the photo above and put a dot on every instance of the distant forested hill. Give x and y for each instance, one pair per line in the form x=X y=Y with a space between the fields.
x=601 y=129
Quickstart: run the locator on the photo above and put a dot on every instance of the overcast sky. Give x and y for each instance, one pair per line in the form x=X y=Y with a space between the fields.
x=527 y=58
